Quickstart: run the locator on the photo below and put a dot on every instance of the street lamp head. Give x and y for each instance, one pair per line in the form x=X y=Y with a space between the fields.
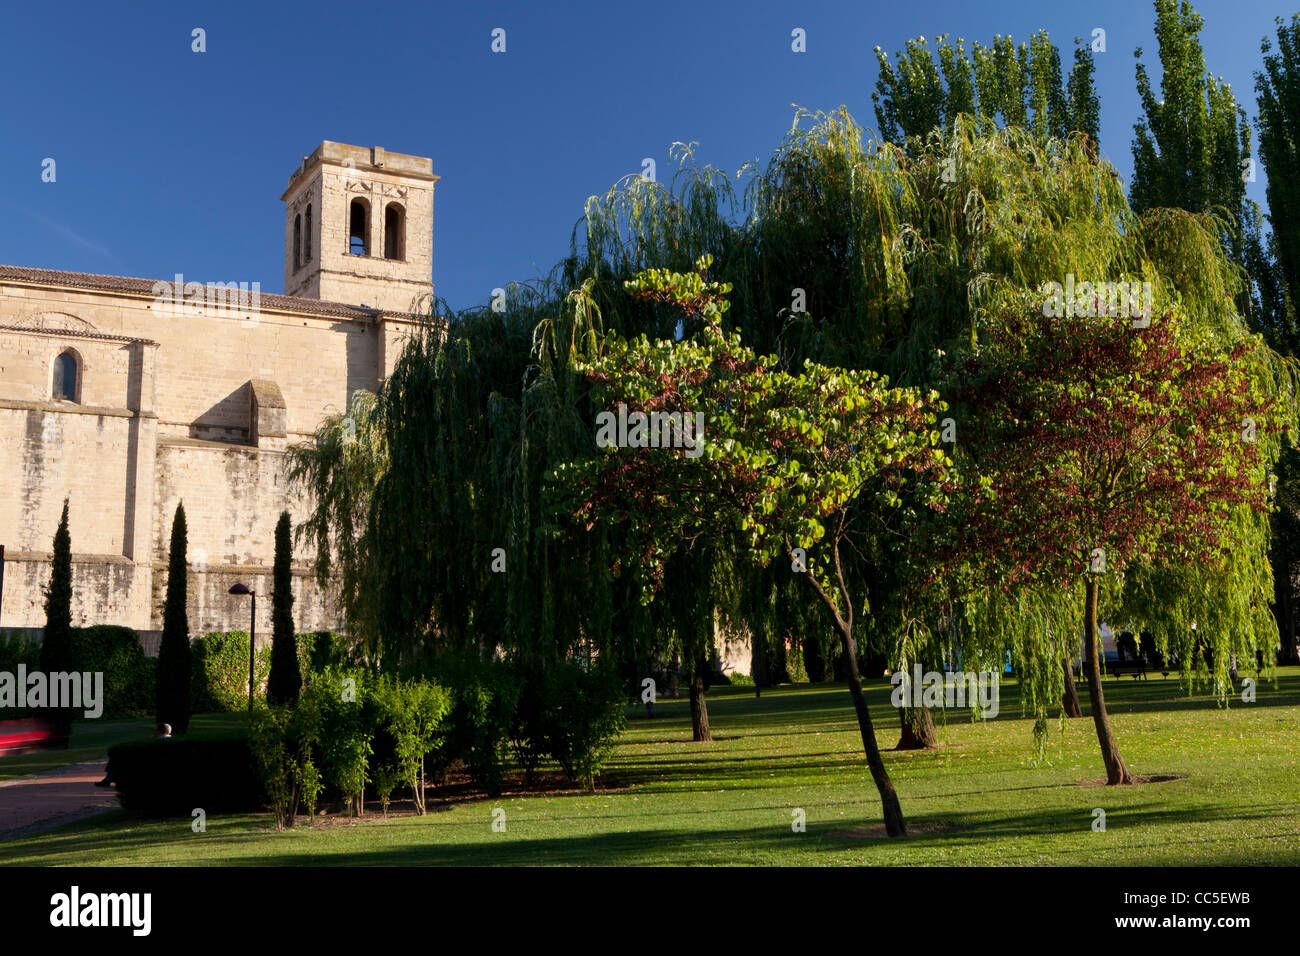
x=240 y=588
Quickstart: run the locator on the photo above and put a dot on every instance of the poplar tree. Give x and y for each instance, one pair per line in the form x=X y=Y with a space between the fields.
x=1275 y=264
x=1191 y=147
x=1015 y=85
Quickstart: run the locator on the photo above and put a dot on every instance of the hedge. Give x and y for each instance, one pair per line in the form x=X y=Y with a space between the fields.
x=129 y=676
x=108 y=649
x=173 y=776
x=219 y=668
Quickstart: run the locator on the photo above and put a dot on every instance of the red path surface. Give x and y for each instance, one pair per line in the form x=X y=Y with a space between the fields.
x=31 y=804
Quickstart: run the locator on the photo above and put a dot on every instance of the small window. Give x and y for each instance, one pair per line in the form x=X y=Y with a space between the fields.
x=297 y=243
x=65 y=377
x=358 y=244
x=394 y=232
x=306 y=238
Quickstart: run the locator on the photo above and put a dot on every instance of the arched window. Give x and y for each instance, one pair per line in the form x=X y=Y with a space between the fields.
x=65 y=377
x=394 y=232
x=297 y=243
x=358 y=241
x=306 y=238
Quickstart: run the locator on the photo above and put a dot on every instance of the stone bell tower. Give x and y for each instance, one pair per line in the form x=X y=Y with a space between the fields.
x=358 y=228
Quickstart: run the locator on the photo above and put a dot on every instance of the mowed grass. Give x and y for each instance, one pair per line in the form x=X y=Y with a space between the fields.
x=979 y=800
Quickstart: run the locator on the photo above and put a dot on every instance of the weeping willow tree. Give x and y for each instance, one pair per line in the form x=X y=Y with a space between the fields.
x=854 y=253
x=337 y=474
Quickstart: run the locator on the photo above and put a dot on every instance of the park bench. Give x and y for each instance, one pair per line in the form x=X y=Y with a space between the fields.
x=1135 y=666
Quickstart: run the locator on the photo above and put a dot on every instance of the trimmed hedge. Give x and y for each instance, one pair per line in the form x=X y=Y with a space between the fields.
x=129 y=676
x=173 y=776
x=219 y=667
x=105 y=648
x=15 y=650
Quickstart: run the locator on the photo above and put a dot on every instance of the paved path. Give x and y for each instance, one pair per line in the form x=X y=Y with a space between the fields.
x=31 y=804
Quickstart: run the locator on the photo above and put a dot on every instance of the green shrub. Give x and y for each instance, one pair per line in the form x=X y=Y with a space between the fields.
x=129 y=676
x=484 y=696
x=588 y=715
x=344 y=718
x=284 y=739
x=318 y=650
x=220 y=672
x=738 y=679
x=173 y=776
x=220 y=666
x=411 y=713
x=530 y=728
x=795 y=665
x=15 y=650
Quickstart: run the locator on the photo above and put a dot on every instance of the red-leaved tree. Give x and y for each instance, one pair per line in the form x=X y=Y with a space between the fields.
x=1095 y=447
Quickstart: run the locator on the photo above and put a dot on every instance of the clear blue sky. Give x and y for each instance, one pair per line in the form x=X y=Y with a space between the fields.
x=172 y=161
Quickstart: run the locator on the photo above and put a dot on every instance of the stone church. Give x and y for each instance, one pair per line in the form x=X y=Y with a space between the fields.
x=128 y=396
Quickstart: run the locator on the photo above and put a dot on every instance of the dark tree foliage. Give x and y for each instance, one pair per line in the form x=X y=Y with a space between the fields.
x=1276 y=266
x=173 y=696
x=285 y=680
x=56 y=640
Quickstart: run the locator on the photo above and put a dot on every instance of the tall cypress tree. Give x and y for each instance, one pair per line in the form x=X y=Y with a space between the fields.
x=286 y=680
x=173 y=694
x=56 y=642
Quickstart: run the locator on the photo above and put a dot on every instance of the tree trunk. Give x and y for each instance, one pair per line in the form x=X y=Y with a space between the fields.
x=1116 y=772
x=1289 y=653
x=918 y=729
x=699 y=710
x=893 y=812
x=1070 y=699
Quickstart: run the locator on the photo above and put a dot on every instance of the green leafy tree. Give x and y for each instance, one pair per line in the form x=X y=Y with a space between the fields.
x=412 y=712
x=56 y=639
x=173 y=694
x=285 y=681
x=785 y=459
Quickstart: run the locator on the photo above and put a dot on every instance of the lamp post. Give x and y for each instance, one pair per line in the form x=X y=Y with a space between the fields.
x=241 y=588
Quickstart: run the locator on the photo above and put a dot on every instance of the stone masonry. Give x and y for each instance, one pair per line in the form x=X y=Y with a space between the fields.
x=127 y=396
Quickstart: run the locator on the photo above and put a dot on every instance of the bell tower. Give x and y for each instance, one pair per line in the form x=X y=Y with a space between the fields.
x=358 y=228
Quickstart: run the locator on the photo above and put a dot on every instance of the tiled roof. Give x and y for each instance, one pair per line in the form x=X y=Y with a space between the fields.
x=86 y=280
x=77 y=333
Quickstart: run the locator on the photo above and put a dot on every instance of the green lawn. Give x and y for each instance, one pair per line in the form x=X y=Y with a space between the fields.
x=980 y=800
